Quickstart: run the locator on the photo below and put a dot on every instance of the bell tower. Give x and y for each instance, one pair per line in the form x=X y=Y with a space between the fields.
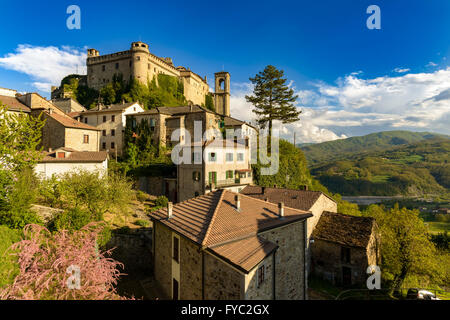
x=222 y=93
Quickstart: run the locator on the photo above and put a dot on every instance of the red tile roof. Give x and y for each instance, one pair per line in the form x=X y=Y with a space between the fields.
x=75 y=156
x=299 y=199
x=14 y=104
x=212 y=221
x=344 y=229
x=69 y=122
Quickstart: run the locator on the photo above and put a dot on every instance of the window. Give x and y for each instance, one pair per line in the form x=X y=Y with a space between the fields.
x=176 y=249
x=174 y=289
x=196 y=176
x=113 y=118
x=86 y=138
x=149 y=66
x=103 y=68
x=113 y=132
x=113 y=145
x=249 y=174
x=138 y=58
x=61 y=155
x=229 y=174
x=345 y=254
x=104 y=133
x=85 y=120
x=240 y=157
x=261 y=275
x=229 y=157
x=196 y=194
x=117 y=65
x=104 y=118
x=212 y=176
x=212 y=157
x=104 y=145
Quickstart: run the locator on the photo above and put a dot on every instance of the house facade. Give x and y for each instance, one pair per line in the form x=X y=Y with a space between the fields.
x=224 y=245
x=65 y=160
x=110 y=121
x=215 y=164
x=344 y=247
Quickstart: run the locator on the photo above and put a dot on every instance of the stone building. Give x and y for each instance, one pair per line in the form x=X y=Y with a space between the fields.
x=343 y=248
x=111 y=121
x=214 y=164
x=12 y=104
x=140 y=64
x=64 y=160
x=314 y=201
x=224 y=245
x=68 y=105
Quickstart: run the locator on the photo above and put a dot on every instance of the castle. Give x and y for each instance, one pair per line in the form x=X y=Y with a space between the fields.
x=140 y=64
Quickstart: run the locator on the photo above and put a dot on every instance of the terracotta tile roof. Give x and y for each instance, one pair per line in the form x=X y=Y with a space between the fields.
x=75 y=156
x=14 y=104
x=230 y=121
x=299 y=199
x=256 y=249
x=344 y=229
x=69 y=122
x=112 y=107
x=212 y=219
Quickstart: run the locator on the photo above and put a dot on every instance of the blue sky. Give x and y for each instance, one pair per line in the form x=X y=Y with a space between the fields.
x=351 y=80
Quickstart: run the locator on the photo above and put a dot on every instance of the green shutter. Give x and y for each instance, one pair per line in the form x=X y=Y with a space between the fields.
x=210 y=177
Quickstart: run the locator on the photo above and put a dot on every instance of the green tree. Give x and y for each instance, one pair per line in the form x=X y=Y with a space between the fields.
x=272 y=98
x=406 y=249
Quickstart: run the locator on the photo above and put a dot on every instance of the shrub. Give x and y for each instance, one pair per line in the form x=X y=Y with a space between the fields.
x=141 y=196
x=8 y=263
x=142 y=223
x=161 y=201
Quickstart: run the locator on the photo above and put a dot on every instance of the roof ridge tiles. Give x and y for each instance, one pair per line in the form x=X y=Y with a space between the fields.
x=208 y=231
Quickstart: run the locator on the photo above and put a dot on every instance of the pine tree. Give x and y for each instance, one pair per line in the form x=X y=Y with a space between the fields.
x=273 y=99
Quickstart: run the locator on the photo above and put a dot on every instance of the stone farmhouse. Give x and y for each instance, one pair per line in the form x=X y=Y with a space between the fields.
x=314 y=201
x=225 y=245
x=217 y=163
x=343 y=248
x=64 y=160
x=111 y=121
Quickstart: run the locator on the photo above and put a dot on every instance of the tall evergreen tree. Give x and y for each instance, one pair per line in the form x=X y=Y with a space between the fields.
x=273 y=99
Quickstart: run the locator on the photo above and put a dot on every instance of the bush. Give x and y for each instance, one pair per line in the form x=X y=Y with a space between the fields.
x=141 y=196
x=8 y=263
x=142 y=223
x=161 y=201
x=443 y=217
x=72 y=219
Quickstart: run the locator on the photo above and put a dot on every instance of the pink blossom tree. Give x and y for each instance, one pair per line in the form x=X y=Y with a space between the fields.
x=63 y=266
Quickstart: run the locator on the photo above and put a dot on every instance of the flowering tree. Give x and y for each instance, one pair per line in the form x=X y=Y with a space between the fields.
x=63 y=266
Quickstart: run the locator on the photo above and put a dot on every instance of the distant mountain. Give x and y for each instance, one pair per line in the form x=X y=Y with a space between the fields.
x=413 y=169
x=343 y=148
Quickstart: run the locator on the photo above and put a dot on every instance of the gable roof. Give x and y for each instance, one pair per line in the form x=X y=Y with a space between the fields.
x=74 y=156
x=69 y=122
x=213 y=222
x=344 y=229
x=13 y=104
x=299 y=199
x=109 y=108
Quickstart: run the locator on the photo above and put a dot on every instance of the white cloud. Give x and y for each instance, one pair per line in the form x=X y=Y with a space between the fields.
x=431 y=64
x=356 y=106
x=46 y=66
x=401 y=70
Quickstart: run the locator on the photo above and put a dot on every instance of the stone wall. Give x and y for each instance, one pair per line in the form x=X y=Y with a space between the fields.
x=74 y=138
x=328 y=265
x=133 y=249
x=163 y=258
x=265 y=290
x=222 y=282
x=289 y=260
x=190 y=270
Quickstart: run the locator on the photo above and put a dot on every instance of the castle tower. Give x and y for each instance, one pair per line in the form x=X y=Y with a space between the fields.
x=222 y=93
x=139 y=61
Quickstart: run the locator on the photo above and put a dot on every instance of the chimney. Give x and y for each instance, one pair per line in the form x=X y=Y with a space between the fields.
x=266 y=199
x=50 y=149
x=275 y=186
x=263 y=190
x=281 y=210
x=237 y=200
x=306 y=187
x=169 y=210
x=50 y=110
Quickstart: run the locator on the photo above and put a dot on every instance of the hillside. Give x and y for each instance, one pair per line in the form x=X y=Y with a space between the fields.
x=408 y=169
x=343 y=148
